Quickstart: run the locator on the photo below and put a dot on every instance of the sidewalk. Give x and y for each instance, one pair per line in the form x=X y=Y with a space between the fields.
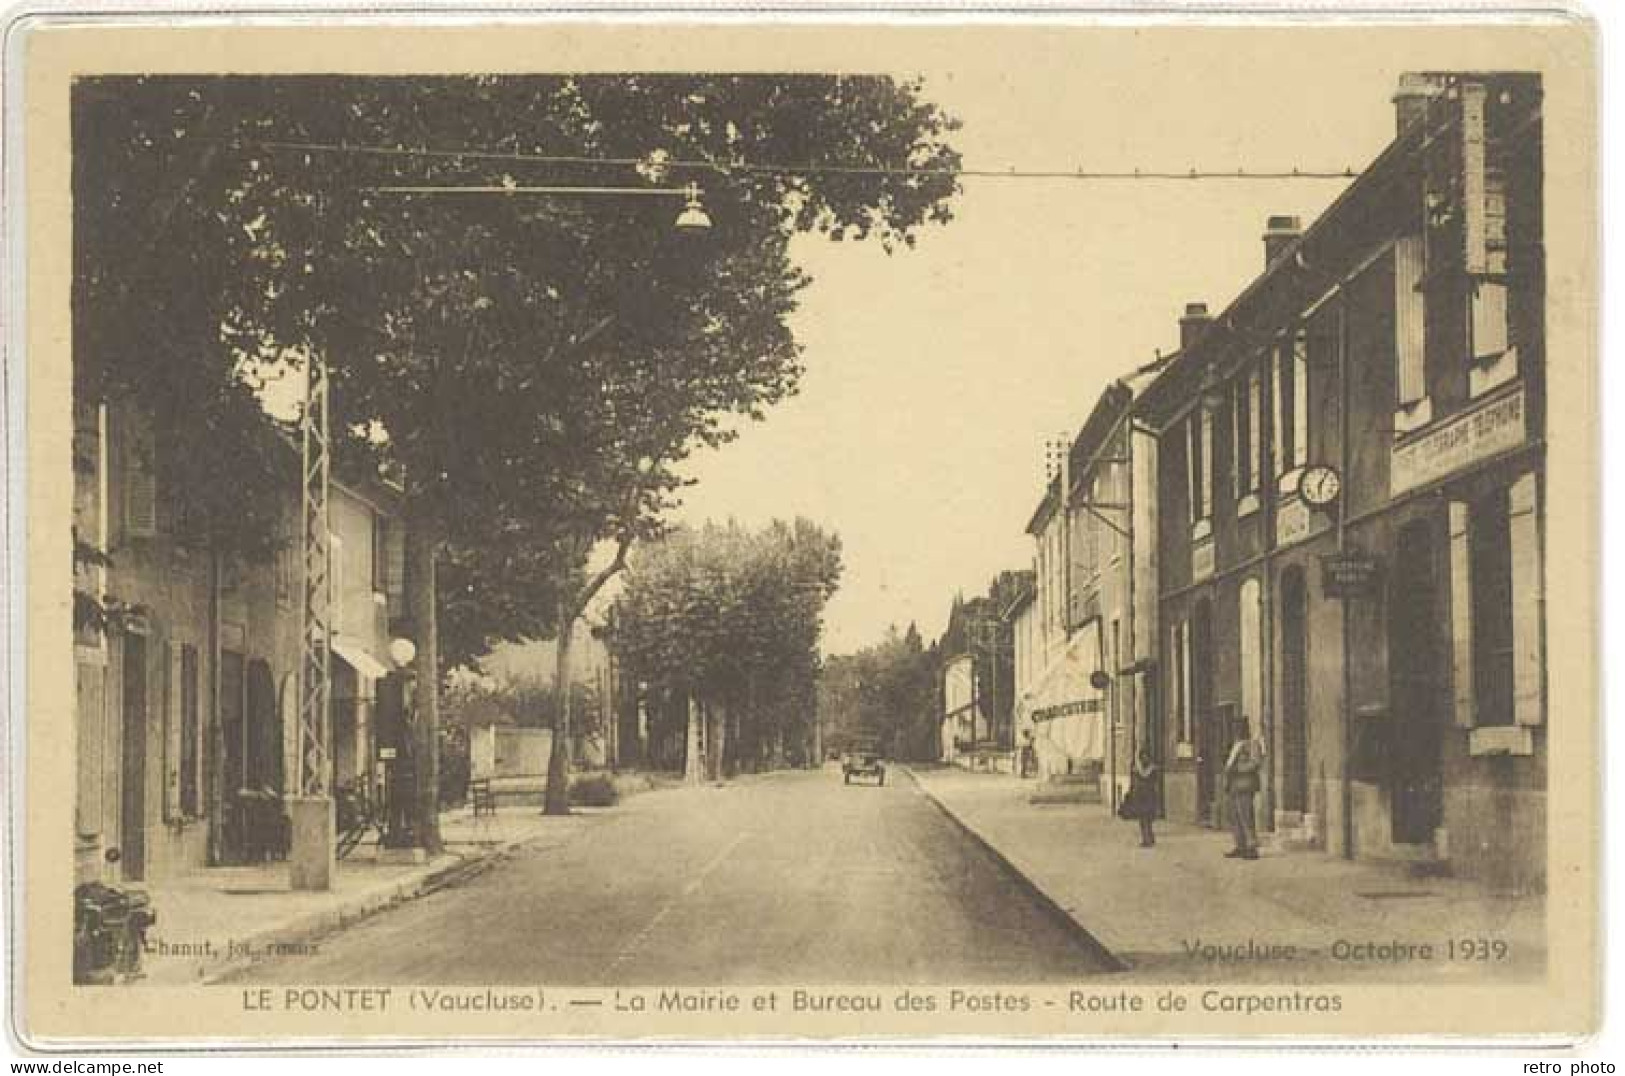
x=1181 y=911
x=215 y=921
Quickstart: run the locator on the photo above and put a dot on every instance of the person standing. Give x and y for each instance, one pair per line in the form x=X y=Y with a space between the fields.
x=1242 y=780
x=1141 y=801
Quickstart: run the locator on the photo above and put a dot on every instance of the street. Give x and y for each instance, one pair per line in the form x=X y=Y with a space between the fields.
x=784 y=878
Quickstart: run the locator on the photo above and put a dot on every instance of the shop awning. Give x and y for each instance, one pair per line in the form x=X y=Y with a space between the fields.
x=1062 y=706
x=359 y=659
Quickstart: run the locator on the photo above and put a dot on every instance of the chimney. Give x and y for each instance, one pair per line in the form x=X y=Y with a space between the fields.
x=1412 y=96
x=1191 y=326
x=1279 y=233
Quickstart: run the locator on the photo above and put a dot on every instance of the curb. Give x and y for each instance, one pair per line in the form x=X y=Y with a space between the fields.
x=317 y=925
x=1112 y=961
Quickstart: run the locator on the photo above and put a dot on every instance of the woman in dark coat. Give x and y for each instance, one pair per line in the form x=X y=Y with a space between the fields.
x=1141 y=802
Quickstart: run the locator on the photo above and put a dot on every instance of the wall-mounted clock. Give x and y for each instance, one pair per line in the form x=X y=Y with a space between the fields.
x=1320 y=485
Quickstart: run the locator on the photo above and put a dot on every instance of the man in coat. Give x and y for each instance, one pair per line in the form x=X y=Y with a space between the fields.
x=1243 y=777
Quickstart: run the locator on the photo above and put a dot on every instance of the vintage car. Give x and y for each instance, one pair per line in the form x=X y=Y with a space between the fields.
x=863 y=763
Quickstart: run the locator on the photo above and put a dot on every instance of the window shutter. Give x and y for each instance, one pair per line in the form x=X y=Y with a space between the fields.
x=395 y=567
x=1489 y=319
x=1527 y=599
x=1207 y=463
x=140 y=480
x=173 y=680
x=1461 y=615
x=1474 y=229
x=1278 y=397
x=1300 y=400
x=1193 y=467
x=1410 y=377
x=1238 y=437
x=1255 y=424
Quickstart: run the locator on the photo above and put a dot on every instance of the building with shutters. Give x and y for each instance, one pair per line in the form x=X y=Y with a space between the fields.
x=187 y=735
x=1095 y=611
x=1351 y=480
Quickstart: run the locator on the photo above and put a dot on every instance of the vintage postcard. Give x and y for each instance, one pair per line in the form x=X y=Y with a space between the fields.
x=828 y=527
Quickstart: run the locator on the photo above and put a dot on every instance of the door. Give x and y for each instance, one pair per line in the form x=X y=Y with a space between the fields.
x=233 y=758
x=1211 y=738
x=1294 y=692
x=1417 y=667
x=133 y=799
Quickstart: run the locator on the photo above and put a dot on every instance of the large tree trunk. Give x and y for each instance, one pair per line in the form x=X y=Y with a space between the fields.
x=557 y=800
x=693 y=769
x=717 y=741
x=422 y=549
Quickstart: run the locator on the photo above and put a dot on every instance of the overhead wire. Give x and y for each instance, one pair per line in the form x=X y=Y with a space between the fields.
x=763 y=168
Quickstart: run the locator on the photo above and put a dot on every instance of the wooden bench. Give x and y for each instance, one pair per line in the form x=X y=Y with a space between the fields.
x=484 y=792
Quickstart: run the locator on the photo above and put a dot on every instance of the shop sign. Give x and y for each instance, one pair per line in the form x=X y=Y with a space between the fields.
x=1067 y=709
x=1490 y=428
x=1347 y=575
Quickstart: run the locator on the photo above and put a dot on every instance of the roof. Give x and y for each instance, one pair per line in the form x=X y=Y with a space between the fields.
x=1310 y=265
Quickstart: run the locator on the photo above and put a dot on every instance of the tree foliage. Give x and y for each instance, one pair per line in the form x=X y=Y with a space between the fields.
x=731 y=618
x=884 y=693
x=528 y=364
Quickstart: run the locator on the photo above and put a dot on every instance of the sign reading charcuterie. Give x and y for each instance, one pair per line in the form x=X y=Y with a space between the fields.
x=1067 y=709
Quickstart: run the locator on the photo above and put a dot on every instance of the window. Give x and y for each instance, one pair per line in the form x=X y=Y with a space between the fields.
x=1199 y=464
x=1410 y=332
x=1292 y=404
x=1244 y=435
x=1495 y=598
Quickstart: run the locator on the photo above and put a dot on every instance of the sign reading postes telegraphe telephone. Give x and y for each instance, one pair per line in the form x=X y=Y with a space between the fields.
x=1348 y=574
x=1494 y=426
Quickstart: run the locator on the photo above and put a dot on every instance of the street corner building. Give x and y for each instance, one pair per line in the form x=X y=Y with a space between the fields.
x=1322 y=516
x=187 y=710
x=1350 y=480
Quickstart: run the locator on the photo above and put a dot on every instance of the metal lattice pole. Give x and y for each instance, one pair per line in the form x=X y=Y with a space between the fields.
x=315 y=666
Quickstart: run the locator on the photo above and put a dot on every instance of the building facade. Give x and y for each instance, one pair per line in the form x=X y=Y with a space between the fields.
x=186 y=704
x=1350 y=482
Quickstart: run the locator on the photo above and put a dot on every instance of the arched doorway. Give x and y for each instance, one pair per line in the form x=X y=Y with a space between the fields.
x=1417 y=672
x=1294 y=692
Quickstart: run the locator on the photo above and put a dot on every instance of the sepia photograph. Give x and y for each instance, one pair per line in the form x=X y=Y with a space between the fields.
x=591 y=531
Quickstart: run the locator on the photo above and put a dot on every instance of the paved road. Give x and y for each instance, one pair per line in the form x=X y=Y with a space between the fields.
x=787 y=878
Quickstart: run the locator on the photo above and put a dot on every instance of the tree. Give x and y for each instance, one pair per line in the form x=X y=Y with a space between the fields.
x=885 y=692
x=532 y=370
x=730 y=619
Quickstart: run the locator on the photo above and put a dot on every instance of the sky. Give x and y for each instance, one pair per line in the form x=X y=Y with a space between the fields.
x=935 y=375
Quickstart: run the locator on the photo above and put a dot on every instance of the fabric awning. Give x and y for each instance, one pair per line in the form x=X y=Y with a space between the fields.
x=1063 y=707
x=359 y=659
